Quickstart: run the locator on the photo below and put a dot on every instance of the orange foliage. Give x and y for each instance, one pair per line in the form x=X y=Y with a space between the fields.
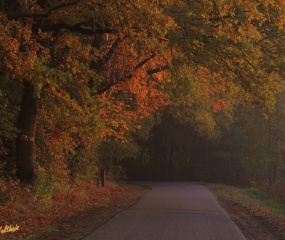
x=219 y=105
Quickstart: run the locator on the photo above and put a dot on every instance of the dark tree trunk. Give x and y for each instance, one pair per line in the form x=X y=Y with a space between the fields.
x=26 y=145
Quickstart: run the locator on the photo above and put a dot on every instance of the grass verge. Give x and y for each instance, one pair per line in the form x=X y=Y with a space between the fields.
x=254 y=200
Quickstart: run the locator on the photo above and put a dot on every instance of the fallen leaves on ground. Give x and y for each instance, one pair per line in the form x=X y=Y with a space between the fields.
x=31 y=215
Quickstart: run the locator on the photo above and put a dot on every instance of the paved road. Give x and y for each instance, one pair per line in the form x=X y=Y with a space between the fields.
x=171 y=211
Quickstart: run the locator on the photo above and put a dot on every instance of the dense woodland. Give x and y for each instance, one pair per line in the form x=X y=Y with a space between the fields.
x=164 y=90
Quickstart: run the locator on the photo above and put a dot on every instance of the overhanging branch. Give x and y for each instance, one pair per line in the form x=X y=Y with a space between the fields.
x=77 y=28
x=129 y=76
x=48 y=13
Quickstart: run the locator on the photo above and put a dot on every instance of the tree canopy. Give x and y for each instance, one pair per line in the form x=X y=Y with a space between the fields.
x=88 y=72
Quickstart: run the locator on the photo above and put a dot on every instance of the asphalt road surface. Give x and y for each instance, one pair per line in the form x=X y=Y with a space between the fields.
x=171 y=211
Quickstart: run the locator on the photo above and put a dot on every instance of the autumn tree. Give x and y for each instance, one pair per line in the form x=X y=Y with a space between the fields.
x=60 y=48
x=101 y=66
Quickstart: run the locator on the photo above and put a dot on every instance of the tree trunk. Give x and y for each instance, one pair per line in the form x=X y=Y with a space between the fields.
x=26 y=145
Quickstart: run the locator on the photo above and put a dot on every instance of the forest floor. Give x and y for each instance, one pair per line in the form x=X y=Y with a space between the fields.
x=85 y=222
x=254 y=226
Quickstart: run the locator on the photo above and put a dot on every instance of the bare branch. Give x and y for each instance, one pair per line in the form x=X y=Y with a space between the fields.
x=144 y=62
